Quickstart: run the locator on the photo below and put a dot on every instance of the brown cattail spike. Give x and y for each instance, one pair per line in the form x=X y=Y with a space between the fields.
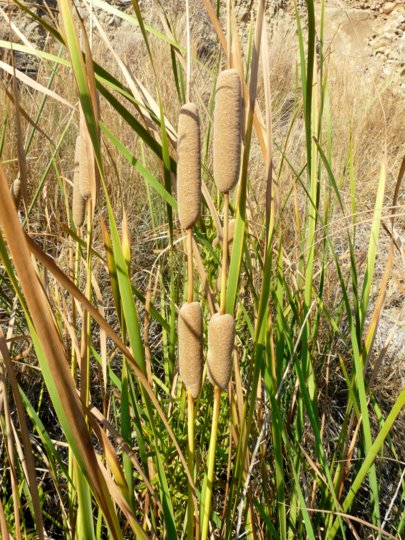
x=85 y=157
x=189 y=166
x=190 y=347
x=221 y=337
x=227 y=130
x=79 y=203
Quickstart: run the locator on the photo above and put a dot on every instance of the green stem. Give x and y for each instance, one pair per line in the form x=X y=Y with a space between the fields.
x=73 y=367
x=211 y=463
x=191 y=452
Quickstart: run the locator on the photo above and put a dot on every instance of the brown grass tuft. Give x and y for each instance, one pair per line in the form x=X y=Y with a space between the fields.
x=190 y=346
x=227 y=130
x=221 y=337
x=189 y=166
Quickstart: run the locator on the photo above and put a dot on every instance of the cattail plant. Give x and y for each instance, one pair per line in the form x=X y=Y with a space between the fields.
x=190 y=316
x=221 y=330
x=78 y=203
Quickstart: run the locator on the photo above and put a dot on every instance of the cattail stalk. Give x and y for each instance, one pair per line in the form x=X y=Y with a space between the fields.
x=190 y=318
x=190 y=360
x=221 y=336
x=86 y=327
x=192 y=511
x=211 y=463
x=221 y=330
x=227 y=150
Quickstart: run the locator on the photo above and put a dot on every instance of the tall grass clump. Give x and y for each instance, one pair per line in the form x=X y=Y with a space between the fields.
x=194 y=327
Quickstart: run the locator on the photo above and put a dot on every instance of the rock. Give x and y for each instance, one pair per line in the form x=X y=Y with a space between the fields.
x=244 y=13
x=388 y=7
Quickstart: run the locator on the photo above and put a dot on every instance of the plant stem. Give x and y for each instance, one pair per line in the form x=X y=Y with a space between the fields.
x=211 y=463
x=73 y=367
x=224 y=253
x=86 y=328
x=189 y=265
x=190 y=450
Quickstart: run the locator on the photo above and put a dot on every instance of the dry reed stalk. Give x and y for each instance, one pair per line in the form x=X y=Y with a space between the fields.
x=78 y=203
x=189 y=166
x=190 y=347
x=227 y=130
x=221 y=337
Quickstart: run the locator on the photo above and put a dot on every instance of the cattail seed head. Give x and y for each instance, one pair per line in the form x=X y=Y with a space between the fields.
x=79 y=203
x=190 y=346
x=85 y=157
x=227 y=130
x=189 y=166
x=221 y=337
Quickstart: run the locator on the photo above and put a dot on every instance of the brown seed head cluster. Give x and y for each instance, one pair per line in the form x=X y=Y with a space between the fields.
x=221 y=337
x=227 y=130
x=189 y=166
x=191 y=346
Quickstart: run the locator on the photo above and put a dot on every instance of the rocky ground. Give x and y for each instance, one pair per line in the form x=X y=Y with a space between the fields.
x=366 y=31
